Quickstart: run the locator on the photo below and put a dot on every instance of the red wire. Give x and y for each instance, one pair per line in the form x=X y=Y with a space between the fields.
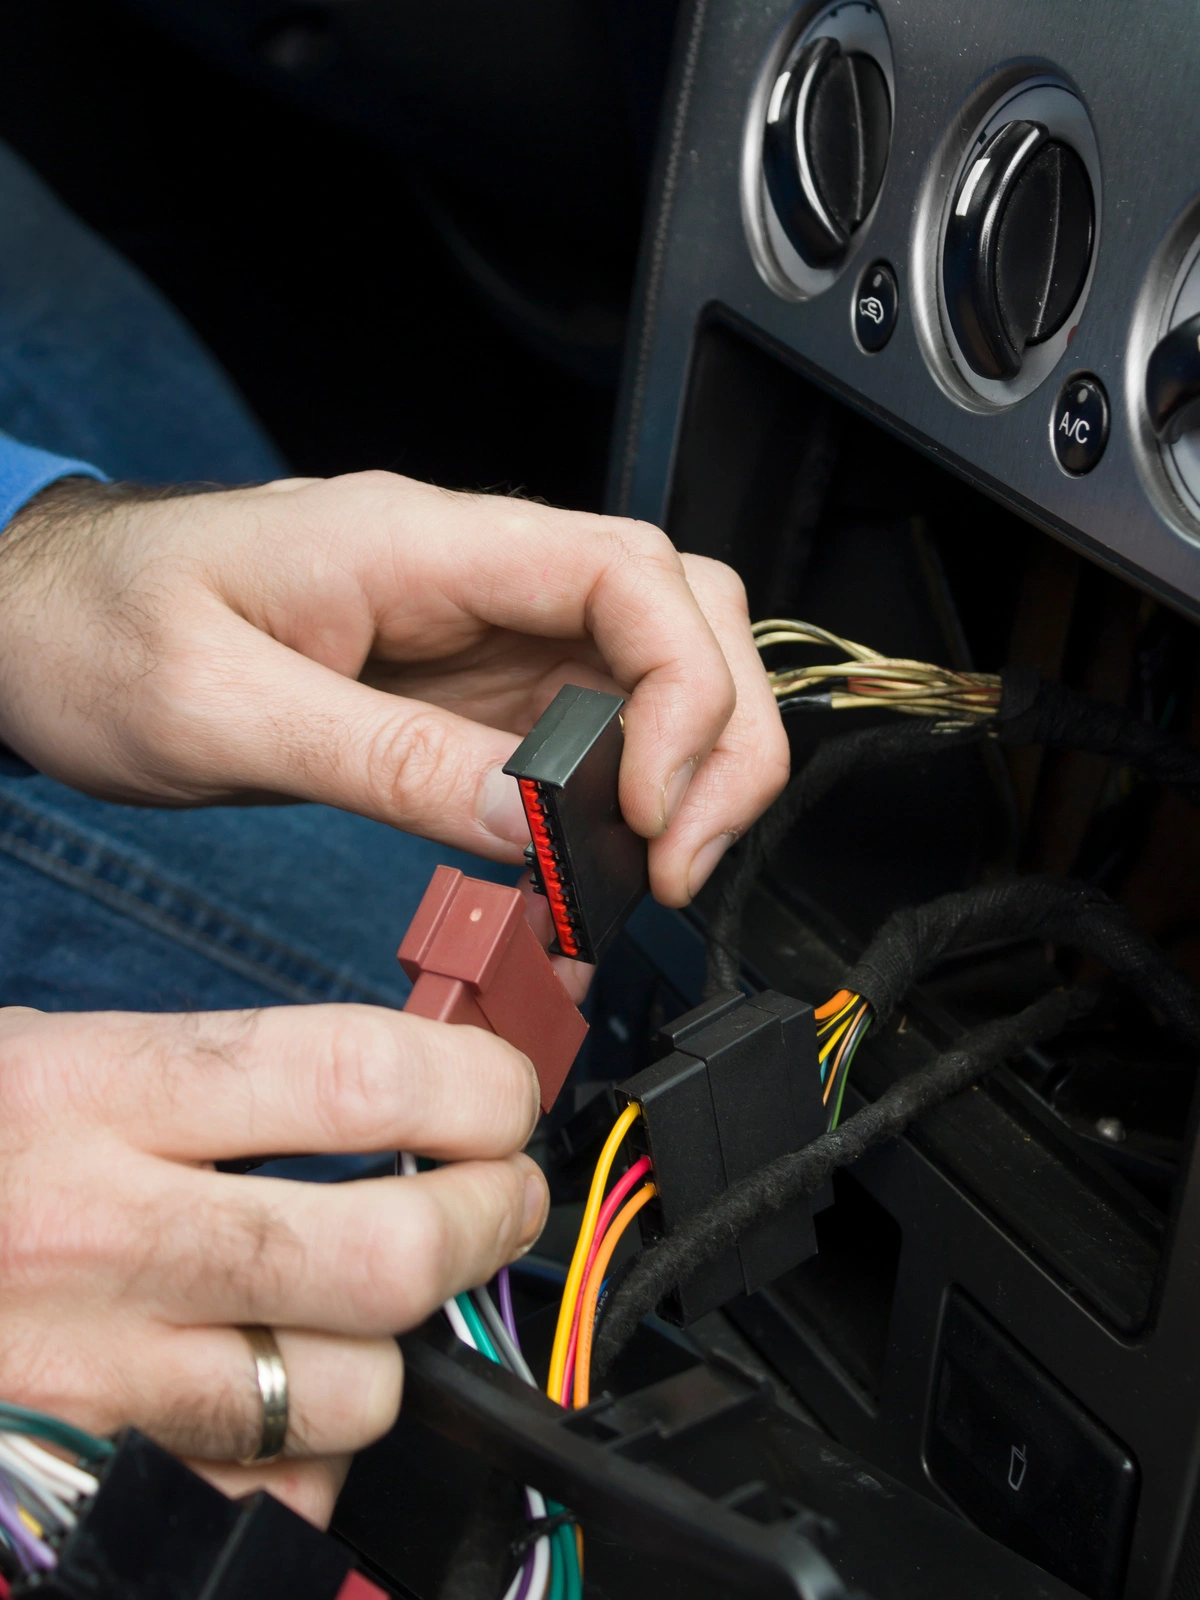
x=608 y=1211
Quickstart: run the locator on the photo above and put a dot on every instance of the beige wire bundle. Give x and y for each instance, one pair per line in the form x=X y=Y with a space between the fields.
x=866 y=678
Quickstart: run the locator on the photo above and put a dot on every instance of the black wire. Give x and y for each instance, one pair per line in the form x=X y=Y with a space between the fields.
x=847 y=755
x=1031 y=711
x=1037 y=711
x=1051 y=910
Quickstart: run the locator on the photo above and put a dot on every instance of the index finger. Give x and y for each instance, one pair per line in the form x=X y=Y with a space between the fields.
x=570 y=575
x=292 y=1079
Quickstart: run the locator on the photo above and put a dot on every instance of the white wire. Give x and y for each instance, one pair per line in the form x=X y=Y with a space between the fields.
x=40 y=1485
x=74 y=1480
x=43 y=1486
x=459 y=1323
x=535 y=1504
x=535 y=1509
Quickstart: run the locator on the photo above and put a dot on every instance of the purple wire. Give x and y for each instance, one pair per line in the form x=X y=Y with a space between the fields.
x=31 y=1552
x=509 y=1318
x=504 y=1284
x=527 y=1569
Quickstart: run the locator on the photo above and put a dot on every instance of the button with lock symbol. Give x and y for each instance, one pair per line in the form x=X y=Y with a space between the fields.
x=876 y=307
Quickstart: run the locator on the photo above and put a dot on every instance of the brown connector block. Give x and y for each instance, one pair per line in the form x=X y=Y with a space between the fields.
x=473 y=958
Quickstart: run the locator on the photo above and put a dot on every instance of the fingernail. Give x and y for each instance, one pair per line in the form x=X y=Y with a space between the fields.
x=534 y=1219
x=536 y=1092
x=705 y=860
x=674 y=791
x=499 y=807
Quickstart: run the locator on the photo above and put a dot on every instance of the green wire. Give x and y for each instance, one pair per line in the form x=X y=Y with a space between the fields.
x=566 y=1538
x=19 y=1419
x=851 y=1052
x=478 y=1331
x=837 y=1109
x=565 y=1580
x=558 y=1583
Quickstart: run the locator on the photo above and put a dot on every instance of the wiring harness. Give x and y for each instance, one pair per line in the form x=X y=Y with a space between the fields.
x=41 y=1495
x=1016 y=706
x=943 y=709
x=712 y=1230
x=867 y=678
x=908 y=945
x=551 y=1568
x=1025 y=709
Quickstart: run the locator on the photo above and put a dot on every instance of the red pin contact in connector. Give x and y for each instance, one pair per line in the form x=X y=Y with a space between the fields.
x=473 y=958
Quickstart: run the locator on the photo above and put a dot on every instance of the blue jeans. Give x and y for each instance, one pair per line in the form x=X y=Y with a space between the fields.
x=119 y=907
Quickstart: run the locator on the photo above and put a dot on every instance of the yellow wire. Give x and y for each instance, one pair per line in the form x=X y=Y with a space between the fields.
x=831 y=1042
x=34 y=1527
x=591 y=1213
x=833 y=1071
x=591 y=1292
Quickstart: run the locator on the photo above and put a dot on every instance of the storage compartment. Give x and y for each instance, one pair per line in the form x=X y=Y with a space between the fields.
x=831 y=519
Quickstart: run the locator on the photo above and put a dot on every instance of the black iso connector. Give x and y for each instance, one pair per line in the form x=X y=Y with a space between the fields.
x=585 y=858
x=158 y=1531
x=738 y=1086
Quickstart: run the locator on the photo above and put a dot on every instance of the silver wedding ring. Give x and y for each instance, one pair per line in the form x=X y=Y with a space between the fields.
x=273 y=1390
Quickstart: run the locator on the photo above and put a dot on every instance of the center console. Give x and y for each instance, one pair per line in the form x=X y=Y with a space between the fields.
x=918 y=352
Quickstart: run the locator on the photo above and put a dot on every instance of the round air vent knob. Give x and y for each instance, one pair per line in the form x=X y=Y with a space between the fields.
x=829 y=121
x=1018 y=247
x=1173 y=382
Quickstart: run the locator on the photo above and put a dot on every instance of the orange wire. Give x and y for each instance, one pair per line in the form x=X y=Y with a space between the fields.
x=591 y=1215
x=837 y=1061
x=826 y=1027
x=832 y=1007
x=591 y=1291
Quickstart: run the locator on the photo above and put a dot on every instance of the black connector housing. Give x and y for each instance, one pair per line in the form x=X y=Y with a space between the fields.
x=585 y=857
x=739 y=1086
x=158 y=1531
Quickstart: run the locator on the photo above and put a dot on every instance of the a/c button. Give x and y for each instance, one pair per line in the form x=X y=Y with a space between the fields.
x=1079 y=426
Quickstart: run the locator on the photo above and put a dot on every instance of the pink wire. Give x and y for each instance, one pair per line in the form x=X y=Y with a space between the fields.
x=608 y=1211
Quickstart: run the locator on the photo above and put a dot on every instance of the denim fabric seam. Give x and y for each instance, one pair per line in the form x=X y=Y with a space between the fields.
x=182 y=915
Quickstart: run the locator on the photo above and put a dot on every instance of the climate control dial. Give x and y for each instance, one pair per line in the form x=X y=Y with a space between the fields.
x=825 y=147
x=817 y=144
x=1018 y=246
x=1173 y=382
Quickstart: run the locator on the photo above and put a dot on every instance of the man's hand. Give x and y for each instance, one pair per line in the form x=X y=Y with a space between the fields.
x=378 y=645
x=127 y=1264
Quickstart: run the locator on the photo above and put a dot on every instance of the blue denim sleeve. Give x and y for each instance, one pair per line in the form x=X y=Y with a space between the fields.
x=25 y=471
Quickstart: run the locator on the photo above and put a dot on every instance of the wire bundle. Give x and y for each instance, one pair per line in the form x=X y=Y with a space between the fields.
x=867 y=678
x=842 y=1023
x=604 y=1222
x=705 y=1234
x=41 y=1495
x=551 y=1569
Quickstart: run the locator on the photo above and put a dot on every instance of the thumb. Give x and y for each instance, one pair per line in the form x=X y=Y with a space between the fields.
x=260 y=716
